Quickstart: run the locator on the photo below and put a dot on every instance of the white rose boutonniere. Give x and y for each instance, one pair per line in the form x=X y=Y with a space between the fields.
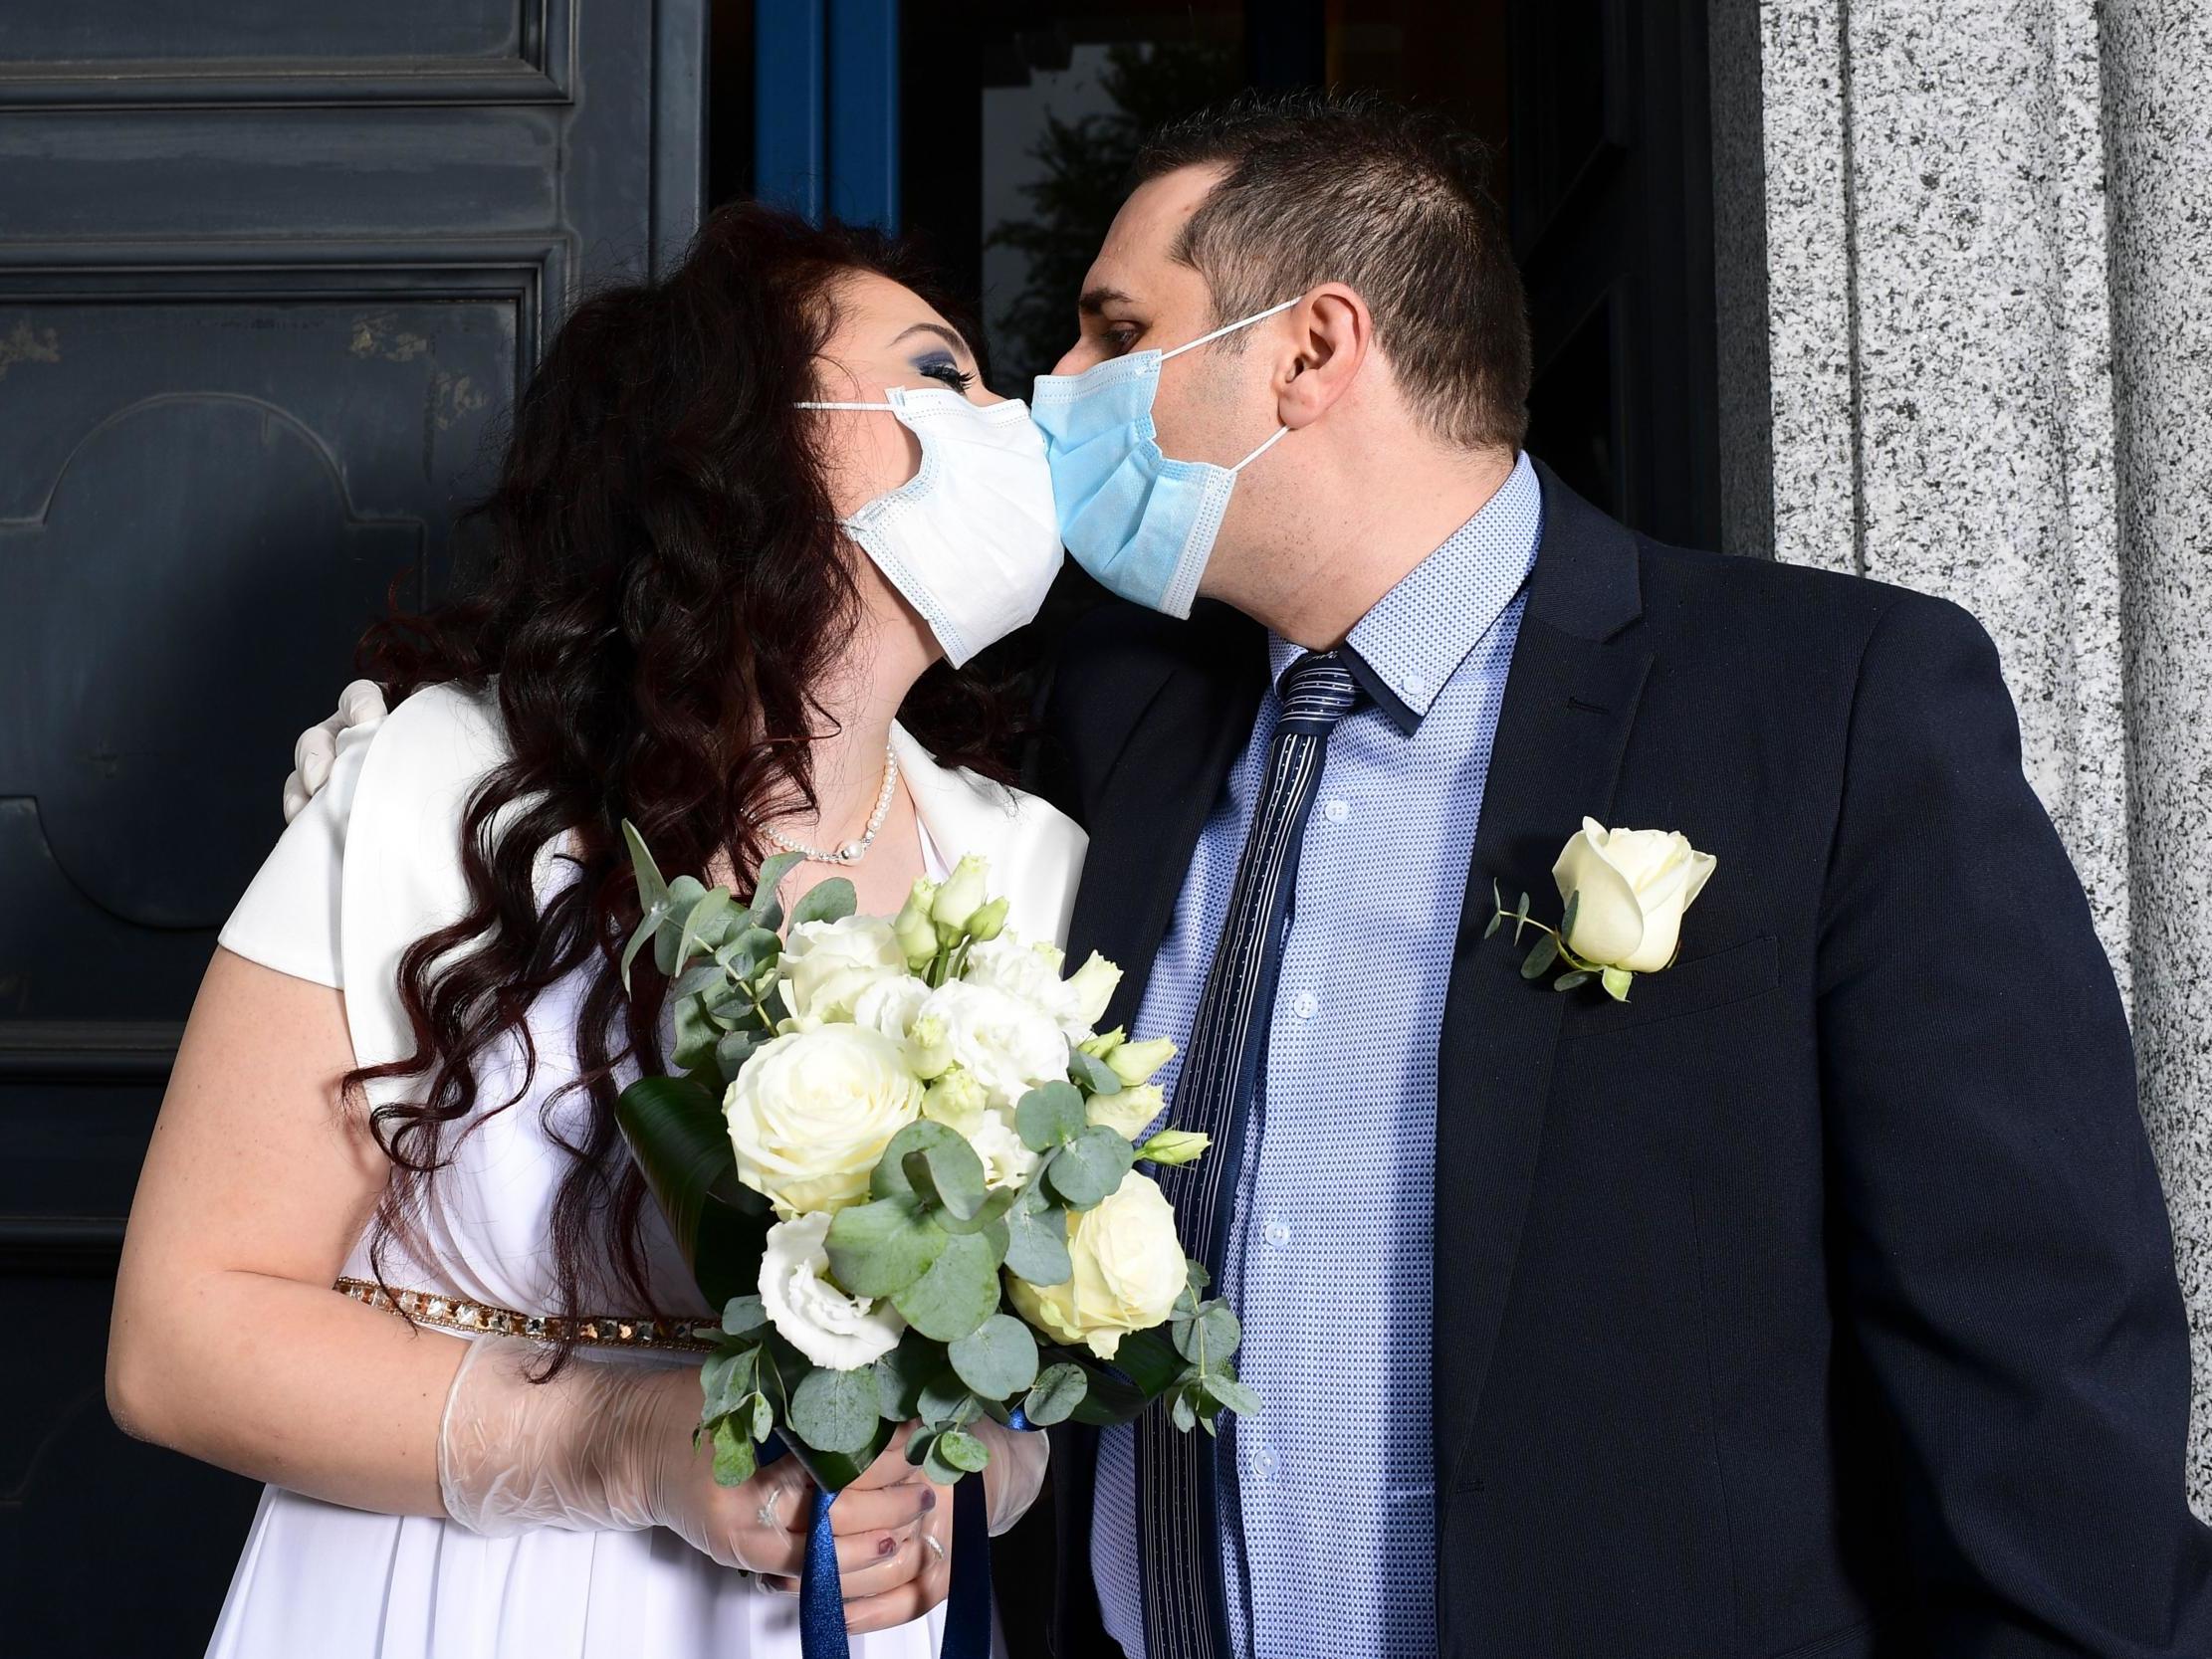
x=1625 y=893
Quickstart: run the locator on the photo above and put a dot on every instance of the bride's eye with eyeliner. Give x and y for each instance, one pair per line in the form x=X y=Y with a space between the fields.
x=948 y=371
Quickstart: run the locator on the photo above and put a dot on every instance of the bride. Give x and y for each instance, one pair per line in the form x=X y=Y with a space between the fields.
x=742 y=513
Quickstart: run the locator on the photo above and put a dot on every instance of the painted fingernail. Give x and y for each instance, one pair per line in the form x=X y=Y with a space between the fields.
x=929 y=1498
x=886 y=1545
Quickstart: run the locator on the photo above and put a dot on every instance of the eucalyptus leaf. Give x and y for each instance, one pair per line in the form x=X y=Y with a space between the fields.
x=1055 y=1394
x=962 y=1451
x=1541 y=956
x=1091 y=1166
x=835 y=1411
x=932 y=1459
x=996 y=1206
x=1050 y=1114
x=1567 y=918
x=1210 y=1338
x=1037 y=1244
x=830 y=900
x=707 y=976
x=744 y=1315
x=734 y=1458
x=713 y=906
x=959 y=1292
x=1232 y=1396
x=726 y=1379
x=1179 y=1410
x=946 y=1172
x=733 y=1048
x=748 y=951
x=1092 y=1074
x=767 y=912
x=1498 y=921
x=880 y=1248
x=998 y=1359
x=890 y=1179
x=900 y=1375
x=697 y=1035
x=1568 y=981
x=945 y=1402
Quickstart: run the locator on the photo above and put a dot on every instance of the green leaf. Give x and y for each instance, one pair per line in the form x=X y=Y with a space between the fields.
x=961 y=1451
x=734 y=1459
x=1050 y=1114
x=1181 y=1411
x=744 y=955
x=1567 y=920
x=900 y=1375
x=835 y=1411
x=945 y=1402
x=926 y=1452
x=880 y=1248
x=961 y=1289
x=1092 y=1074
x=1232 y=1396
x=1568 y=981
x=1541 y=956
x=946 y=1172
x=1036 y=1242
x=707 y=976
x=767 y=912
x=1210 y=1338
x=830 y=900
x=925 y=1135
x=744 y=1315
x=712 y=908
x=1617 y=981
x=726 y=1379
x=1055 y=1394
x=677 y=1134
x=1497 y=922
x=1090 y=1167
x=1520 y=918
x=1107 y=1398
x=995 y=1207
x=998 y=1359
x=733 y=1048
x=697 y=1036
x=1148 y=1361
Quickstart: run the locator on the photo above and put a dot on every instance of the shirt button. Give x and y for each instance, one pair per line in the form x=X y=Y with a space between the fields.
x=1412 y=685
x=1304 y=1004
x=1336 y=811
x=1278 y=1232
x=1262 y=1462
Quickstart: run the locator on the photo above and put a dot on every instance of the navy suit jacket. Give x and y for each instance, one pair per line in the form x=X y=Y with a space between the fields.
x=1820 y=1300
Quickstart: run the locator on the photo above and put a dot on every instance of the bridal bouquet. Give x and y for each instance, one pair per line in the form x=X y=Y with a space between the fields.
x=902 y=1162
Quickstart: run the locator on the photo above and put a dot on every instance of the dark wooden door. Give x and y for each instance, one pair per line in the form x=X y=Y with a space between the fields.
x=1610 y=153
x=270 y=271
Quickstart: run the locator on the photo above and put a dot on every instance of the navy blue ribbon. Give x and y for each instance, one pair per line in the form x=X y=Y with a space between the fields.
x=822 y=1596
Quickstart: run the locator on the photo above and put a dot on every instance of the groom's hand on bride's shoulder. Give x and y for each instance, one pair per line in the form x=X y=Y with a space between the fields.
x=313 y=754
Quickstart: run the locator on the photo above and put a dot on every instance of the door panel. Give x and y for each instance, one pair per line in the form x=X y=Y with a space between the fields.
x=270 y=277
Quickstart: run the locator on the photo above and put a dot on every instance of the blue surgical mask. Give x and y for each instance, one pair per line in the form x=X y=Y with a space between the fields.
x=1143 y=524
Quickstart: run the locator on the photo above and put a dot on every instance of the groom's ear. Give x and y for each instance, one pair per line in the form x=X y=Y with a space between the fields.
x=1331 y=334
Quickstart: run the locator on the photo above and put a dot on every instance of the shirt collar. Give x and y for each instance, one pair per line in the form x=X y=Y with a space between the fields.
x=1408 y=646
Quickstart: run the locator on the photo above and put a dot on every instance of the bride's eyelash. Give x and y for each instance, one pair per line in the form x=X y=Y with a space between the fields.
x=950 y=372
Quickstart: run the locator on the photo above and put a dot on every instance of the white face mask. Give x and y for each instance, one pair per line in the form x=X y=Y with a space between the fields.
x=970 y=539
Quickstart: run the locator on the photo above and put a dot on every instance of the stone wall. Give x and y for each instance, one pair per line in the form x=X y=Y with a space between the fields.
x=1984 y=274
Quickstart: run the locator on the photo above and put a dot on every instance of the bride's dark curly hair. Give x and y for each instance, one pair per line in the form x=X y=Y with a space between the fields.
x=665 y=590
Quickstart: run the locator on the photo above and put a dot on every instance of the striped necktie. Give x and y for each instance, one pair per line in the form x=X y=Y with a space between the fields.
x=1180 y=1515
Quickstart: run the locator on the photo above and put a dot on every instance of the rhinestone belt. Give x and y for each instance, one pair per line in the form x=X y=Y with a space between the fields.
x=458 y=1312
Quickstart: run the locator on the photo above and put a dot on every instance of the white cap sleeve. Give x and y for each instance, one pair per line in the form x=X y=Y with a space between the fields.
x=288 y=918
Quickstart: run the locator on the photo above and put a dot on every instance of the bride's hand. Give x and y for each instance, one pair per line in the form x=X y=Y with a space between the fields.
x=608 y=1446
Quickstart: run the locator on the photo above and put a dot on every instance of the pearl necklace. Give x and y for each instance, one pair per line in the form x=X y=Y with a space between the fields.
x=852 y=852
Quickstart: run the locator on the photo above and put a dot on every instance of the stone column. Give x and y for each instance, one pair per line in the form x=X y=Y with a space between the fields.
x=1987 y=231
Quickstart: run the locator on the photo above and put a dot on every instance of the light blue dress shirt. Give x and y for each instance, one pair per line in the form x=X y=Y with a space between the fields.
x=1331 y=1549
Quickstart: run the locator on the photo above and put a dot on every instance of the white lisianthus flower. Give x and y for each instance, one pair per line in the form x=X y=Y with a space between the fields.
x=889 y=1006
x=1008 y=1160
x=957 y=1101
x=1632 y=887
x=1129 y=1271
x=812 y=1111
x=963 y=893
x=1130 y=1113
x=808 y=1311
x=1094 y=984
x=1033 y=976
x=1002 y=1042
x=828 y=965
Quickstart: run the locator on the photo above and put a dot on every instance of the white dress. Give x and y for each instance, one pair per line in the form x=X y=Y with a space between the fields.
x=370 y=866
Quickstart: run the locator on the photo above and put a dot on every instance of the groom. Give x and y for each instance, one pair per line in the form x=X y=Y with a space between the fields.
x=1817 y=1299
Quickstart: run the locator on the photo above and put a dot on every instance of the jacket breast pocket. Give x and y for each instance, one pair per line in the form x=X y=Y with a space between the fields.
x=1734 y=975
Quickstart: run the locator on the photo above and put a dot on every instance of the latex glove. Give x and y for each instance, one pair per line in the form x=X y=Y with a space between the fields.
x=606 y=1446
x=313 y=754
x=1015 y=1473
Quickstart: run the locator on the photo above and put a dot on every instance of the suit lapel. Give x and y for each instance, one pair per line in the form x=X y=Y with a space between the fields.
x=1578 y=670
x=1150 y=807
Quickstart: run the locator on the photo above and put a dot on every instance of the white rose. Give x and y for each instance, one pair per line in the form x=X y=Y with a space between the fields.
x=1634 y=886
x=1002 y=1042
x=828 y=965
x=1129 y=1271
x=1029 y=974
x=807 y=1308
x=1008 y=1160
x=812 y=1111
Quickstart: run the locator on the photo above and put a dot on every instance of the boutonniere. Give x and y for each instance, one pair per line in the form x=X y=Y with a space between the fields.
x=1625 y=893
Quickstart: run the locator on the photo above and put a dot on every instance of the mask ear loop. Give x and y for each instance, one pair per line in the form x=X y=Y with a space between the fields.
x=841 y=406
x=1229 y=329
x=1282 y=432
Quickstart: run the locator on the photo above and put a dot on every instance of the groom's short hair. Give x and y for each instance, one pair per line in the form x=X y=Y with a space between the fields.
x=1388 y=200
